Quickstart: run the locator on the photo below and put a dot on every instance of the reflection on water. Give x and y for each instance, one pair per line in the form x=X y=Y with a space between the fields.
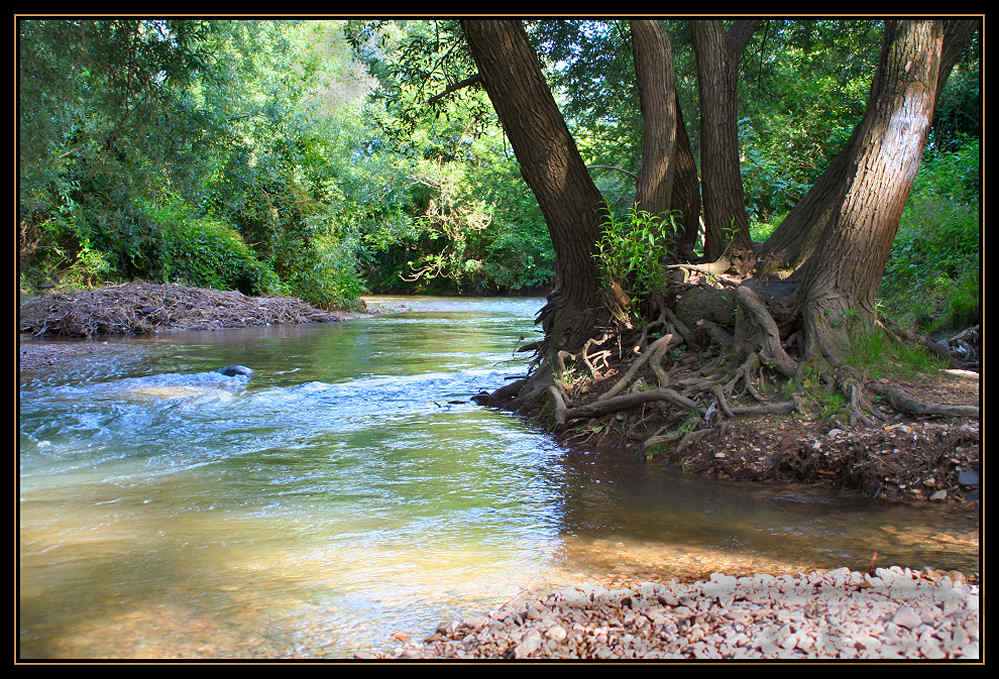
x=351 y=489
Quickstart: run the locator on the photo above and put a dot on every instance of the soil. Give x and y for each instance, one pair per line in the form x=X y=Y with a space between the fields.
x=906 y=460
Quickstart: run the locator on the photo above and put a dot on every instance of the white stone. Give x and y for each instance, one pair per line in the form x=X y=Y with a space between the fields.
x=530 y=644
x=476 y=621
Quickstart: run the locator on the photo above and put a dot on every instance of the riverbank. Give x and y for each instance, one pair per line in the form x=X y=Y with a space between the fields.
x=907 y=459
x=924 y=446
x=886 y=614
x=608 y=528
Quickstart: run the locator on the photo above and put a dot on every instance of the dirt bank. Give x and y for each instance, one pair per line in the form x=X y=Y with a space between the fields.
x=929 y=458
x=907 y=459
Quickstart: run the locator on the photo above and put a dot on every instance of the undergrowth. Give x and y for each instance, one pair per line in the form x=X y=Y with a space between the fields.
x=932 y=280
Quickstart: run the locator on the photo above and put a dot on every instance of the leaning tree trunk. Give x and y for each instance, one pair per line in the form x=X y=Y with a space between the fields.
x=686 y=189
x=840 y=286
x=717 y=54
x=794 y=241
x=552 y=167
x=657 y=95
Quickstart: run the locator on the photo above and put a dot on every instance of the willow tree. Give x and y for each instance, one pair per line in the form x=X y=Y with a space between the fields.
x=718 y=52
x=552 y=167
x=841 y=279
x=854 y=211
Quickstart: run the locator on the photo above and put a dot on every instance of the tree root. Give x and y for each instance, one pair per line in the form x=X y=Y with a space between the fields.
x=904 y=402
x=627 y=401
x=655 y=351
x=771 y=349
x=957 y=359
x=559 y=403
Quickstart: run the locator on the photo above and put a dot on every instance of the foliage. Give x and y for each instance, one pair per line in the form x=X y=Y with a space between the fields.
x=634 y=249
x=316 y=158
x=804 y=86
x=933 y=275
x=202 y=252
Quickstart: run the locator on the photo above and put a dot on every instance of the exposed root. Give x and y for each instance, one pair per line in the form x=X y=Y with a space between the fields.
x=591 y=359
x=855 y=392
x=727 y=372
x=655 y=351
x=904 y=402
x=680 y=327
x=776 y=408
x=628 y=401
x=771 y=350
x=960 y=351
x=559 y=402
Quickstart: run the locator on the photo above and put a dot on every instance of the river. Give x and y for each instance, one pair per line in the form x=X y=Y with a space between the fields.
x=351 y=489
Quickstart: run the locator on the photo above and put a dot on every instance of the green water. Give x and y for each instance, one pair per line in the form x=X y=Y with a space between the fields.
x=351 y=490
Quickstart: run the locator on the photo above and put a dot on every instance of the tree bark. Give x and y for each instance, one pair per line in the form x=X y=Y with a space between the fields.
x=686 y=189
x=657 y=95
x=552 y=167
x=717 y=54
x=794 y=241
x=880 y=166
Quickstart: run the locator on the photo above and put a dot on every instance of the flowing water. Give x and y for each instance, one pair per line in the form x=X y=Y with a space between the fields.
x=350 y=489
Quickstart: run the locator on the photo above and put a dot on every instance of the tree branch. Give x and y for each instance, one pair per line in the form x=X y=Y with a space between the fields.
x=461 y=84
x=611 y=167
x=737 y=38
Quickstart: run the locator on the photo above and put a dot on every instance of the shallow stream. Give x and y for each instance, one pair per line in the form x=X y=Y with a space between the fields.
x=351 y=489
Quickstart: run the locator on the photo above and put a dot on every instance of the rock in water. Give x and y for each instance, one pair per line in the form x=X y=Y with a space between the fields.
x=233 y=370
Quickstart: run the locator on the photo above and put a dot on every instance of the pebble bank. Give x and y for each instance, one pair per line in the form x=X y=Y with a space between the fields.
x=892 y=613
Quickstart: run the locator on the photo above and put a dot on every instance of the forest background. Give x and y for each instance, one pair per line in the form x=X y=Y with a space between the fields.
x=329 y=159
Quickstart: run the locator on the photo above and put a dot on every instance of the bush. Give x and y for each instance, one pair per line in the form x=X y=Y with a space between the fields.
x=932 y=278
x=634 y=249
x=203 y=252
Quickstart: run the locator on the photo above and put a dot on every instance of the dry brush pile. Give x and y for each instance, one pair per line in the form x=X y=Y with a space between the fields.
x=144 y=308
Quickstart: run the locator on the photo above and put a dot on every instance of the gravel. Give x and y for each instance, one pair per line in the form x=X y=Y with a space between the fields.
x=892 y=613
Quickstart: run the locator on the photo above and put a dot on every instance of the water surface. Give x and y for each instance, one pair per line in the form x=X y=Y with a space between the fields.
x=351 y=490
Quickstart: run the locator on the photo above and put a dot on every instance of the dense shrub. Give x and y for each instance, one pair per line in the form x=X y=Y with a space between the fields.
x=203 y=252
x=932 y=278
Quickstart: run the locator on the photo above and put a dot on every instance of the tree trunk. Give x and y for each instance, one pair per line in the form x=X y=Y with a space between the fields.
x=841 y=282
x=654 y=70
x=717 y=54
x=795 y=239
x=686 y=189
x=552 y=167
